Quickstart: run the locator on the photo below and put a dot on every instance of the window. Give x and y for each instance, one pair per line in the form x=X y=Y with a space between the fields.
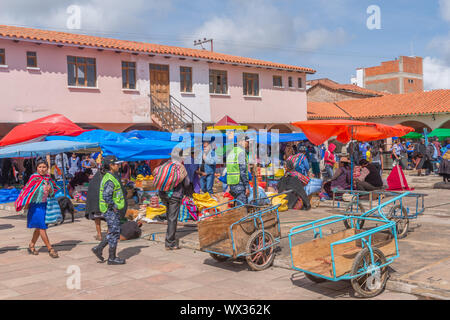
x=81 y=71
x=251 y=84
x=31 y=59
x=277 y=81
x=410 y=81
x=185 y=79
x=290 y=82
x=128 y=75
x=300 y=83
x=218 y=82
x=2 y=56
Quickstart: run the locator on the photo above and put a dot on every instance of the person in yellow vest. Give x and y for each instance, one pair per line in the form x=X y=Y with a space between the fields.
x=111 y=202
x=237 y=172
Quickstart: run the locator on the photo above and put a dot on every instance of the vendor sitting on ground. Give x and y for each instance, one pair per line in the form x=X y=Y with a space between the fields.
x=130 y=230
x=291 y=181
x=79 y=179
x=341 y=178
x=370 y=178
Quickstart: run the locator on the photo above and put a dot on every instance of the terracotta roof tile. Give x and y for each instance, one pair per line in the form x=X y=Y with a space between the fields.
x=415 y=103
x=344 y=87
x=100 y=42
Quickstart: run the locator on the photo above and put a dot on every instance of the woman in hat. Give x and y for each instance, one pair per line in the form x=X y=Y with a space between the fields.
x=34 y=195
x=341 y=178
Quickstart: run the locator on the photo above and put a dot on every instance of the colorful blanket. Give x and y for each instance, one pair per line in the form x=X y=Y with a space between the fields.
x=33 y=191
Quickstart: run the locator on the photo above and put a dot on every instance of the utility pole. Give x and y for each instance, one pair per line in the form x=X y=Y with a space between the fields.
x=200 y=43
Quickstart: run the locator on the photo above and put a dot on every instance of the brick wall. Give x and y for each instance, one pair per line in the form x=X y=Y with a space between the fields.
x=413 y=65
x=385 y=67
x=417 y=85
x=391 y=85
x=321 y=94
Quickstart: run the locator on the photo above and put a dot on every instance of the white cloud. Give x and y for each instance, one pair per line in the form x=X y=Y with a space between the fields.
x=315 y=39
x=445 y=9
x=253 y=26
x=436 y=74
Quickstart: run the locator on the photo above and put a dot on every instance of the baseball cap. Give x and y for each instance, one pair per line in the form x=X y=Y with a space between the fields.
x=108 y=160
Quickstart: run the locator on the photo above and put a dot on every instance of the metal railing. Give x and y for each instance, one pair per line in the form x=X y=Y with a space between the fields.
x=173 y=114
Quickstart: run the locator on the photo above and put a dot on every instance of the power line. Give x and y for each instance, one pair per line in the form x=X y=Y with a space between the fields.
x=185 y=38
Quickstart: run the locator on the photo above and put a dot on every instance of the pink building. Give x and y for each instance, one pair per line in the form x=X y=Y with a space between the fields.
x=120 y=85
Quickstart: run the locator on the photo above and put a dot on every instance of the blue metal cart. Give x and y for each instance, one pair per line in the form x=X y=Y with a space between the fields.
x=354 y=254
x=240 y=232
x=399 y=211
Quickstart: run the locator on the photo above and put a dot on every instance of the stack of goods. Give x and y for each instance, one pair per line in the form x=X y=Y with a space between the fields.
x=203 y=201
x=281 y=200
x=145 y=183
x=154 y=208
x=9 y=195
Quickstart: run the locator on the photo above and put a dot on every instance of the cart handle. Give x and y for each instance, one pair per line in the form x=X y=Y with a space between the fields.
x=384 y=204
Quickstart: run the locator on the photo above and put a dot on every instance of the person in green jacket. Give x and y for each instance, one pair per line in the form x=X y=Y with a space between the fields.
x=111 y=201
x=237 y=172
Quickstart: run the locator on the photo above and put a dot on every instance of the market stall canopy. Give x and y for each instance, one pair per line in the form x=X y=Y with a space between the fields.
x=413 y=135
x=319 y=131
x=43 y=148
x=441 y=133
x=226 y=123
x=113 y=143
x=54 y=124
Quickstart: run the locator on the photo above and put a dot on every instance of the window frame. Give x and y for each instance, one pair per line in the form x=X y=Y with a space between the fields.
x=300 y=83
x=127 y=79
x=185 y=84
x=290 y=82
x=214 y=87
x=2 y=56
x=85 y=65
x=31 y=57
x=248 y=81
x=281 y=81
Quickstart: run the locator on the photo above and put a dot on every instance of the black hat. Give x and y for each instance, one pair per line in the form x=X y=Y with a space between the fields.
x=109 y=160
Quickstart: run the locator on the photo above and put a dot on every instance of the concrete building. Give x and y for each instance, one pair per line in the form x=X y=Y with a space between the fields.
x=121 y=85
x=326 y=90
x=401 y=75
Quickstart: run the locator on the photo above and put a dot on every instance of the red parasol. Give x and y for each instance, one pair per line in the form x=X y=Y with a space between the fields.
x=318 y=131
x=53 y=125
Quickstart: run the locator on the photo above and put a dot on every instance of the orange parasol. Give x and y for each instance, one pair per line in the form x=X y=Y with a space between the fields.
x=318 y=131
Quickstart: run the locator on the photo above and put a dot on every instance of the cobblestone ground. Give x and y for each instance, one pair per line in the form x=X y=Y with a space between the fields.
x=150 y=273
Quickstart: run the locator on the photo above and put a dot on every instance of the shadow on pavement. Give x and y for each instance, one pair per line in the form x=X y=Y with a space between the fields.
x=330 y=289
x=10 y=248
x=15 y=217
x=127 y=253
x=6 y=226
x=66 y=245
x=230 y=265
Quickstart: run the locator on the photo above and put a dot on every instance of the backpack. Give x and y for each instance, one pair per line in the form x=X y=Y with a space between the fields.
x=168 y=175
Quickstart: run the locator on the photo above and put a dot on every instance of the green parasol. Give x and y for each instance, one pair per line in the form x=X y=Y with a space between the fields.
x=413 y=135
x=441 y=133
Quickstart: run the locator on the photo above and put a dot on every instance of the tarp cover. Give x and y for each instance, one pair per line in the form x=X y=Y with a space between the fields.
x=43 y=148
x=319 y=131
x=441 y=133
x=54 y=124
x=124 y=149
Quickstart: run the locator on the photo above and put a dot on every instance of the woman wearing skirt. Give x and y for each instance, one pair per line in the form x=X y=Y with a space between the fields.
x=34 y=196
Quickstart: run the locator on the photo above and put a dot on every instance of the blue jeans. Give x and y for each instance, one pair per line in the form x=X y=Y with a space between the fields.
x=207 y=183
x=329 y=171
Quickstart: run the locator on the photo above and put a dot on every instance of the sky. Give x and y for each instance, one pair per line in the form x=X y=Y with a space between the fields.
x=330 y=36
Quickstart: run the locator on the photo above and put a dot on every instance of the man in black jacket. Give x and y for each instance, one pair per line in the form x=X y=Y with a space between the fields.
x=373 y=180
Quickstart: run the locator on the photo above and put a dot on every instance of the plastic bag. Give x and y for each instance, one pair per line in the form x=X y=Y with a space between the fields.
x=204 y=200
x=150 y=213
x=282 y=201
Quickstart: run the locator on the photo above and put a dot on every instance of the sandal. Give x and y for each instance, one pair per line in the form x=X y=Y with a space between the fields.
x=52 y=253
x=32 y=250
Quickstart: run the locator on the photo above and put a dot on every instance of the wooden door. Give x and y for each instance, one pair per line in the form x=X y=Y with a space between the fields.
x=159 y=82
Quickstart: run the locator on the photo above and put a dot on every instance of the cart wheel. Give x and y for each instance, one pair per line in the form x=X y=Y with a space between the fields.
x=399 y=215
x=314 y=278
x=262 y=259
x=370 y=284
x=218 y=257
x=349 y=212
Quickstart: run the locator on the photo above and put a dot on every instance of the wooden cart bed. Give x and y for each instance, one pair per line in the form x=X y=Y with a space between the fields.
x=315 y=256
x=214 y=233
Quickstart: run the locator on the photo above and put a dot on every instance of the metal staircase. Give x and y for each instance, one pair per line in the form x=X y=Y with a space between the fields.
x=173 y=115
